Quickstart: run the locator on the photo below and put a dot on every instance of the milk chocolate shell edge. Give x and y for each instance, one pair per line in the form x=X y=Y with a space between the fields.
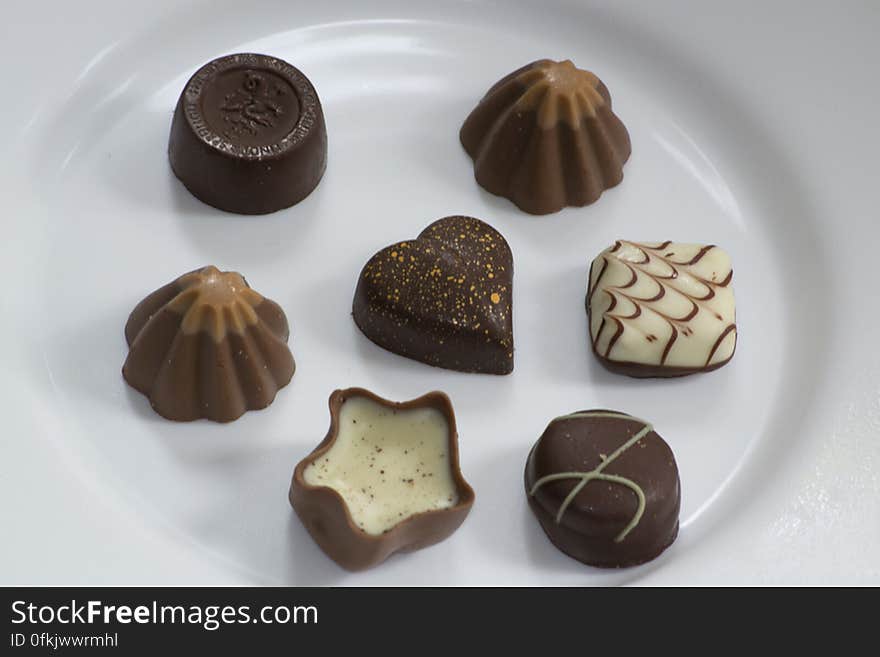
x=326 y=516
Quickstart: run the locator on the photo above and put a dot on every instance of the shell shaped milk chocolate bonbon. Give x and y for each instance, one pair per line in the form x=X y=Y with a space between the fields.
x=545 y=137
x=207 y=346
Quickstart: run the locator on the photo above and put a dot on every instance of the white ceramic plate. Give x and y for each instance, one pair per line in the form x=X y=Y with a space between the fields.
x=753 y=127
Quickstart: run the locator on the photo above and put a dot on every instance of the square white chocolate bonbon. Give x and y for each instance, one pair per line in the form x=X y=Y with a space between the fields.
x=662 y=306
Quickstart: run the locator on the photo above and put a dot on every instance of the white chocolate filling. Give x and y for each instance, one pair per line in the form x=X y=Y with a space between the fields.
x=663 y=304
x=387 y=464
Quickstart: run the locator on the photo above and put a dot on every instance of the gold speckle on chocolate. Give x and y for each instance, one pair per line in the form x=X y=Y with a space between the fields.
x=445 y=293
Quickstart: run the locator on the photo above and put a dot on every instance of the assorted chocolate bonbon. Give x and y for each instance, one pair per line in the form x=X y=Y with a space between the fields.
x=248 y=135
x=545 y=137
x=207 y=345
x=604 y=487
x=444 y=298
x=385 y=479
x=661 y=309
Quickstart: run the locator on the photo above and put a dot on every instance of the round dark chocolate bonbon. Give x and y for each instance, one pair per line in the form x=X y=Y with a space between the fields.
x=248 y=135
x=207 y=346
x=605 y=488
x=545 y=137
x=444 y=298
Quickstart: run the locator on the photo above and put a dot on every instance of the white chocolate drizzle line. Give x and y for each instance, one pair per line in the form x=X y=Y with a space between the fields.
x=596 y=473
x=676 y=323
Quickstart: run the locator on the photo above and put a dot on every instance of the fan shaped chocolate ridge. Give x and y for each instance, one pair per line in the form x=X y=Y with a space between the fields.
x=207 y=345
x=545 y=137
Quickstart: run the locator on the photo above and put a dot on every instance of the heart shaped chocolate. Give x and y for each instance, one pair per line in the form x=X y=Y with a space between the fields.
x=444 y=298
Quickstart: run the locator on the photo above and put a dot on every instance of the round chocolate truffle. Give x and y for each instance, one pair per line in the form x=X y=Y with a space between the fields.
x=207 y=346
x=605 y=488
x=248 y=135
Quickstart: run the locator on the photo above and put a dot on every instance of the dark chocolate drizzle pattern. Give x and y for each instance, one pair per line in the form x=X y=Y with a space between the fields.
x=678 y=325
